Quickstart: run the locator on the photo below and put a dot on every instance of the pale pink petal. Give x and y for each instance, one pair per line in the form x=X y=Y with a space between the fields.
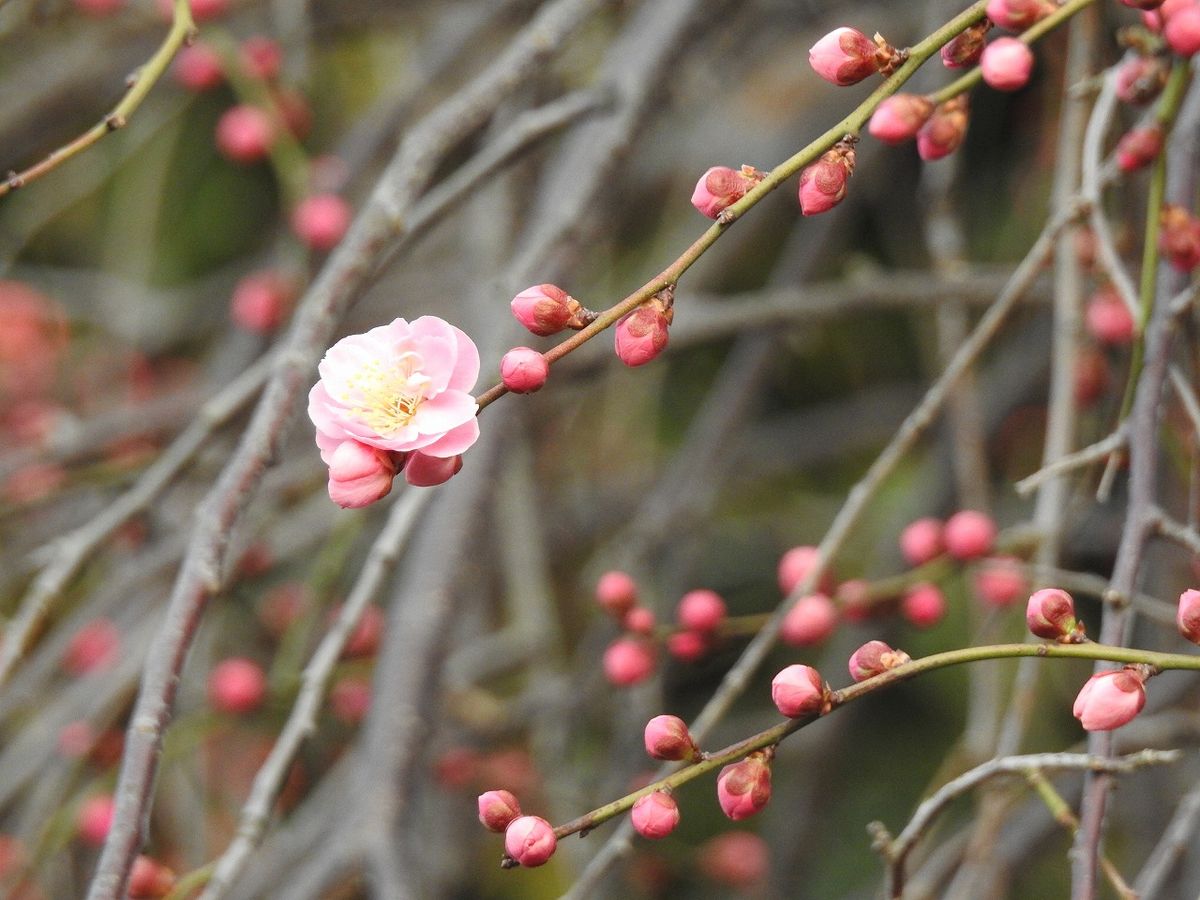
x=445 y=411
x=320 y=410
x=466 y=368
x=455 y=441
x=428 y=471
x=437 y=353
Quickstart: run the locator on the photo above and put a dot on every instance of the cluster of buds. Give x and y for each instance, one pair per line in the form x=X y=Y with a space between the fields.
x=874 y=658
x=823 y=184
x=629 y=659
x=966 y=535
x=642 y=334
x=721 y=187
x=846 y=56
x=1179 y=237
x=529 y=841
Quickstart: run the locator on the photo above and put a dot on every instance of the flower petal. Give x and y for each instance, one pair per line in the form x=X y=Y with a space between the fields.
x=445 y=411
x=454 y=441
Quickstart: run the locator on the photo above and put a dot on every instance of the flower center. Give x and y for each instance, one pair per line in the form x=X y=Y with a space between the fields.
x=389 y=396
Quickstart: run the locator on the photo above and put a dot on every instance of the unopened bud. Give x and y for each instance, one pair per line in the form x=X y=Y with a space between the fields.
x=530 y=841
x=811 y=620
x=628 y=661
x=823 y=184
x=900 y=117
x=423 y=470
x=1017 y=15
x=1050 y=614
x=1140 y=79
x=795 y=566
x=721 y=187
x=1188 y=615
x=616 y=593
x=799 y=691
x=701 y=610
x=924 y=604
x=1179 y=237
x=642 y=334
x=1109 y=319
x=847 y=56
x=523 y=370
x=497 y=809
x=1000 y=581
x=921 y=541
x=1138 y=148
x=875 y=657
x=655 y=815
x=744 y=788
x=969 y=534
x=149 y=879
x=359 y=474
x=1006 y=64
x=667 y=737
x=966 y=48
x=639 y=620
x=945 y=130
x=688 y=646
x=545 y=309
x=1111 y=699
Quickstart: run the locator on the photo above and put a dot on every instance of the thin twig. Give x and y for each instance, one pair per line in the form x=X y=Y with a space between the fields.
x=1177 y=839
x=1072 y=461
x=1181 y=534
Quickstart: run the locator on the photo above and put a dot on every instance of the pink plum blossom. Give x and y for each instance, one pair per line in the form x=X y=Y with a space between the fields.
x=403 y=388
x=1110 y=699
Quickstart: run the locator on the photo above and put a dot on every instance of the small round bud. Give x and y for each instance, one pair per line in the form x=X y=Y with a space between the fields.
x=523 y=370
x=245 y=134
x=688 y=646
x=1108 y=319
x=795 y=566
x=237 y=686
x=799 y=691
x=965 y=48
x=320 y=221
x=359 y=474
x=1182 y=30
x=1139 y=147
x=945 y=130
x=544 y=309
x=737 y=859
x=261 y=301
x=497 y=809
x=616 y=593
x=1006 y=64
x=198 y=68
x=530 y=841
x=350 y=699
x=643 y=334
x=1092 y=376
x=1110 y=699
x=149 y=879
x=744 y=788
x=924 y=605
x=969 y=534
x=873 y=658
x=655 y=815
x=1017 y=15
x=811 y=620
x=1050 y=614
x=94 y=648
x=1000 y=581
x=639 y=620
x=823 y=184
x=899 y=118
x=701 y=610
x=94 y=819
x=721 y=187
x=854 y=599
x=1188 y=615
x=1179 y=237
x=844 y=56
x=628 y=661
x=667 y=737
x=921 y=541
x=1140 y=79
x=423 y=470
x=261 y=57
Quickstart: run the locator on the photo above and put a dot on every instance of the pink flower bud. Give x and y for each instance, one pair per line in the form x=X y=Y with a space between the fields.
x=1110 y=699
x=854 y=599
x=1182 y=30
x=823 y=184
x=811 y=620
x=94 y=648
x=350 y=700
x=1109 y=319
x=639 y=620
x=969 y=534
x=237 y=686
x=795 y=566
x=744 y=788
x=1140 y=79
x=423 y=470
x=1000 y=581
x=1179 y=237
x=261 y=57
x=245 y=134
x=75 y=739
x=320 y=221
x=921 y=541
x=945 y=130
x=523 y=370
x=799 y=691
x=844 y=56
x=149 y=879
x=965 y=48
x=1092 y=376
x=667 y=737
x=98 y=8
x=721 y=187
x=530 y=841
x=924 y=605
x=688 y=646
x=899 y=118
x=873 y=658
x=202 y=10
x=1006 y=64
x=198 y=68
x=616 y=593
x=1017 y=15
x=628 y=661
x=1050 y=614
x=545 y=309
x=642 y=334
x=497 y=809
x=655 y=815
x=1139 y=147
x=1188 y=615
x=261 y=301
x=701 y=610
x=94 y=819
x=359 y=474
x=737 y=859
